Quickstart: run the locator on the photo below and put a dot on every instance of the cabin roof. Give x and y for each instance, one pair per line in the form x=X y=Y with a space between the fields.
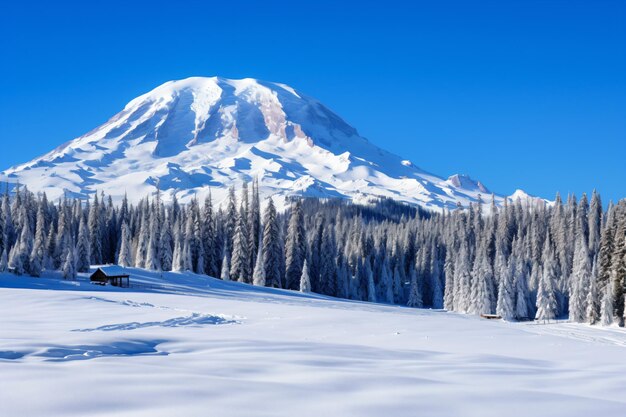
x=113 y=270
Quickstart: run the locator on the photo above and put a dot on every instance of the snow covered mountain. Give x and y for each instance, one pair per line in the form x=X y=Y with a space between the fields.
x=196 y=134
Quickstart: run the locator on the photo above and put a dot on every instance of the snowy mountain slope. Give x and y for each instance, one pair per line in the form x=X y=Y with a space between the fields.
x=197 y=346
x=196 y=133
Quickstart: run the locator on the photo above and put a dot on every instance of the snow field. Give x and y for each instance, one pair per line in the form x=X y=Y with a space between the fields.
x=196 y=346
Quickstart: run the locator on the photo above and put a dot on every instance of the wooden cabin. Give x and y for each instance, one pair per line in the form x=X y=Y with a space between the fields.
x=114 y=275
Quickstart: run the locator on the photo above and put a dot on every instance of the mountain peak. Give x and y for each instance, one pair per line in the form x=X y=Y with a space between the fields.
x=525 y=197
x=465 y=182
x=184 y=113
x=198 y=133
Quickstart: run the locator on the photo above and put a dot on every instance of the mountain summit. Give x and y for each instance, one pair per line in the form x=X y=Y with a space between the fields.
x=188 y=136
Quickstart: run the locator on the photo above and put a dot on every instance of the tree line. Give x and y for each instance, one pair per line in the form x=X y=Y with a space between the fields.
x=523 y=260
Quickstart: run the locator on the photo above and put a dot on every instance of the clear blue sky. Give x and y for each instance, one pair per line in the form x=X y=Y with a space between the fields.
x=516 y=93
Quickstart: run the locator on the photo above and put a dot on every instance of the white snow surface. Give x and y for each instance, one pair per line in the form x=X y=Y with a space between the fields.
x=190 y=345
x=198 y=133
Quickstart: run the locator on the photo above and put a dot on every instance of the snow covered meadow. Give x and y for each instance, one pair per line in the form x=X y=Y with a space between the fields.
x=189 y=345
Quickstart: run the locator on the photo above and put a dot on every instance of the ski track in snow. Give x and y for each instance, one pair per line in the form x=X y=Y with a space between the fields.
x=124 y=303
x=193 y=320
x=582 y=332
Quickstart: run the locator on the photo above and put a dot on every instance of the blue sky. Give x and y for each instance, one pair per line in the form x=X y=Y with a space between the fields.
x=518 y=94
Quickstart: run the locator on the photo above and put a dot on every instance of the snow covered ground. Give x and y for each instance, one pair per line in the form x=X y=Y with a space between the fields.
x=195 y=346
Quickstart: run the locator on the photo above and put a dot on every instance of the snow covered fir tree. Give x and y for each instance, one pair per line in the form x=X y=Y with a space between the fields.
x=524 y=260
